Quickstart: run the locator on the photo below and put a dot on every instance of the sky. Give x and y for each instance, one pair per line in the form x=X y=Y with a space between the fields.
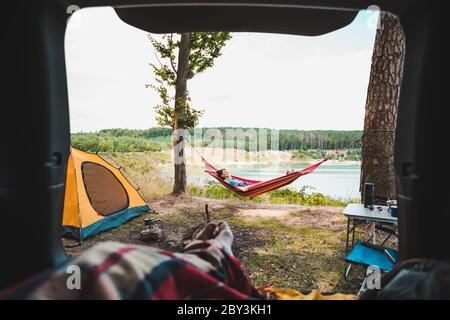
x=261 y=80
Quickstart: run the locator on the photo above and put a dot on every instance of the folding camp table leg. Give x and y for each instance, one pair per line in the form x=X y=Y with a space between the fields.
x=390 y=232
x=374 y=233
x=347 y=267
x=385 y=239
x=351 y=230
x=353 y=233
x=348 y=235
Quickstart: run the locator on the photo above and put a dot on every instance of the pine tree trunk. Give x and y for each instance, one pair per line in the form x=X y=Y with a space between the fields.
x=179 y=126
x=377 y=163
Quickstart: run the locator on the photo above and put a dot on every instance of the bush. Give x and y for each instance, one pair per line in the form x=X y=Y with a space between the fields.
x=347 y=154
x=281 y=196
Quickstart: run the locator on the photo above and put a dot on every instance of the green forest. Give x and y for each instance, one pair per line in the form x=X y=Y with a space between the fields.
x=306 y=144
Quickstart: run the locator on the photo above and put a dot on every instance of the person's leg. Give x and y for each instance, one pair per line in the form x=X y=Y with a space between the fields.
x=207 y=232
x=206 y=269
x=220 y=232
x=224 y=236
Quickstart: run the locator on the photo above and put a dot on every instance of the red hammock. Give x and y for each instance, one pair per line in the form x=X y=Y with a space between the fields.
x=256 y=187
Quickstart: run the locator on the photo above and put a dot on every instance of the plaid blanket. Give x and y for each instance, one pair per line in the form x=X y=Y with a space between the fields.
x=119 y=271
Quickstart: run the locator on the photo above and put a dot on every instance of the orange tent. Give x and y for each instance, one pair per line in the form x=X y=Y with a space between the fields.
x=98 y=197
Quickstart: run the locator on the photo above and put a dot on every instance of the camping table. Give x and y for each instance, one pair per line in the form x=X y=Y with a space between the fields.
x=356 y=214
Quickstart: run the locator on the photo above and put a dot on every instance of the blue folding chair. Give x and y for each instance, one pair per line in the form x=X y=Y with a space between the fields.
x=367 y=254
x=371 y=255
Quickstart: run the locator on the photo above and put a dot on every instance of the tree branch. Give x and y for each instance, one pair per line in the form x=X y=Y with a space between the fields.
x=172 y=63
x=157 y=58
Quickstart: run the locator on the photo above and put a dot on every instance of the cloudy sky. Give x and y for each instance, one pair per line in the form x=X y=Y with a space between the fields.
x=261 y=80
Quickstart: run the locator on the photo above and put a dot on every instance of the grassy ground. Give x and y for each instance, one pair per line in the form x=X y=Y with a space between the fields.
x=290 y=252
x=215 y=190
x=297 y=247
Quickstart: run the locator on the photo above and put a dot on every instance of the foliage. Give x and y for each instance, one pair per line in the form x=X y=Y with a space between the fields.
x=289 y=139
x=347 y=154
x=319 y=139
x=101 y=142
x=299 y=139
x=147 y=133
x=204 y=49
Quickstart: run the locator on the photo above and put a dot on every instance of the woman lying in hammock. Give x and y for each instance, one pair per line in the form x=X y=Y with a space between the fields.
x=225 y=175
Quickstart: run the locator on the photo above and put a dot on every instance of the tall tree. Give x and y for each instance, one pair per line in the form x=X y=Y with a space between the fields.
x=377 y=164
x=196 y=53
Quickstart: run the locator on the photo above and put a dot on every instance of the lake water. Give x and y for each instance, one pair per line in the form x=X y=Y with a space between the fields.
x=336 y=180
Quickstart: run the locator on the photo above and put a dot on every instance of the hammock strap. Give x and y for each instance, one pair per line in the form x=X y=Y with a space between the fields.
x=207 y=164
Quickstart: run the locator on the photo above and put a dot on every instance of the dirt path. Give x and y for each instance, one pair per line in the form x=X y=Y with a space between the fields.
x=296 y=215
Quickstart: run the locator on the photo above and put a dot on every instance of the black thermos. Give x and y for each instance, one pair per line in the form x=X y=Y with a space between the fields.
x=368 y=196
